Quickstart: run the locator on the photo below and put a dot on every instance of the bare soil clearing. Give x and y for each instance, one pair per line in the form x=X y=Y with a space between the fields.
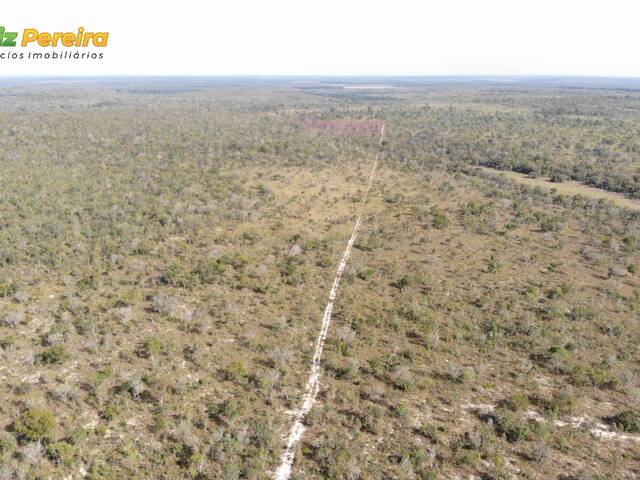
x=342 y=126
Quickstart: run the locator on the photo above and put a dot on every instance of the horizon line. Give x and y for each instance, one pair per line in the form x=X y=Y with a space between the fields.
x=312 y=76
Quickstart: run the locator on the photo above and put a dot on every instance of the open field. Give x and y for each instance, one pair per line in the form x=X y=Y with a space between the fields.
x=568 y=187
x=167 y=249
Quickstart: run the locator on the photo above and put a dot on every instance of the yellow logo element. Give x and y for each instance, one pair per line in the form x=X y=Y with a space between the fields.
x=64 y=39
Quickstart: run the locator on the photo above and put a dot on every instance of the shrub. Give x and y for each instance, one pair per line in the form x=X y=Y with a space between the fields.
x=462 y=375
x=540 y=429
x=149 y=348
x=77 y=436
x=54 y=354
x=400 y=410
x=263 y=434
x=177 y=275
x=228 y=409
x=6 y=446
x=517 y=402
x=36 y=424
x=493 y=265
x=237 y=260
x=557 y=359
x=468 y=375
x=324 y=261
x=208 y=271
x=7 y=288
x=550 y=225
x=562 y=402
x=60 y=453
x=509 y=424
x=237 y=372
x=99 y=472
x=466 y=457
x=430 y=431
x=159 y=423
x=7 y=342
x=627 y=421
x=582 y=312
x=290 y=265
x=111 y=411
x=439 y=219
x=540 y=452
x=97 y=378
x=171 y=307
x=372 y=420
x=402 y=379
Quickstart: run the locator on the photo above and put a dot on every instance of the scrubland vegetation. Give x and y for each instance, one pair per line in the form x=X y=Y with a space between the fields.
x=166 y=252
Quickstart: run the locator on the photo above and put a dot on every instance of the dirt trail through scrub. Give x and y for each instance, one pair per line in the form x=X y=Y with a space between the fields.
x=313 y=383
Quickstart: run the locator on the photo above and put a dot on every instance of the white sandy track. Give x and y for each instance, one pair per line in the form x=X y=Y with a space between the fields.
x=313 y=383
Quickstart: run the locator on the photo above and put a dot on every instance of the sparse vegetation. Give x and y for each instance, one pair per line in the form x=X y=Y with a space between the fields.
x=166 y=253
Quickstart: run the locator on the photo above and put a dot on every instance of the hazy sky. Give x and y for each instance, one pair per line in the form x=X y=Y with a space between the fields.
x=341 y=36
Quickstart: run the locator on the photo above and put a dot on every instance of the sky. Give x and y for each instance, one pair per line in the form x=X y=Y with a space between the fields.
x=339 y=37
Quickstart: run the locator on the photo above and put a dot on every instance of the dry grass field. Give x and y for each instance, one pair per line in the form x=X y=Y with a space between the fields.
x=167 y=250
x=569 y=187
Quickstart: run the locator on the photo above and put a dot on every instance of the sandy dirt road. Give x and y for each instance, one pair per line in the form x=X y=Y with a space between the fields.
x=313 y=383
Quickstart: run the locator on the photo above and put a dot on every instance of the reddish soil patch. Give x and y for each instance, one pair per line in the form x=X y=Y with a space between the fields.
x=341 y=126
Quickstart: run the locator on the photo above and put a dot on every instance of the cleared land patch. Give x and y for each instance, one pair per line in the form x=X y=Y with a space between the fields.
x=567 y=187
x=341 y=126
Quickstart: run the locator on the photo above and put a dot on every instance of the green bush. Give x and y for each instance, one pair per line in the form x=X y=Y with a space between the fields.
x=236 y=260
x=54 y=354
x=509 y=424
x=263 y=434
x=237 y=372
x=6 y=446
x=99 y=472
x=208 y=271
x=582 y=312
x=228 y=409
x=324 y=261
x=627 y=421
x=493 y=265
x=159 y=423
x=177 y=275
x=517 y=402
x=372 y=420
x=401 y=410
x=430 y=431
x=7 y=288
x=462 y=457
x=149 y=348
x=439 y=219
x=34 y=425
x=550 y=225
x=60 y=453
x=111 y=411
x=561 y=402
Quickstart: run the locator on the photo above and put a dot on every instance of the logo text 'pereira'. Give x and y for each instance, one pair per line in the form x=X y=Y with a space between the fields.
x=54 y=39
